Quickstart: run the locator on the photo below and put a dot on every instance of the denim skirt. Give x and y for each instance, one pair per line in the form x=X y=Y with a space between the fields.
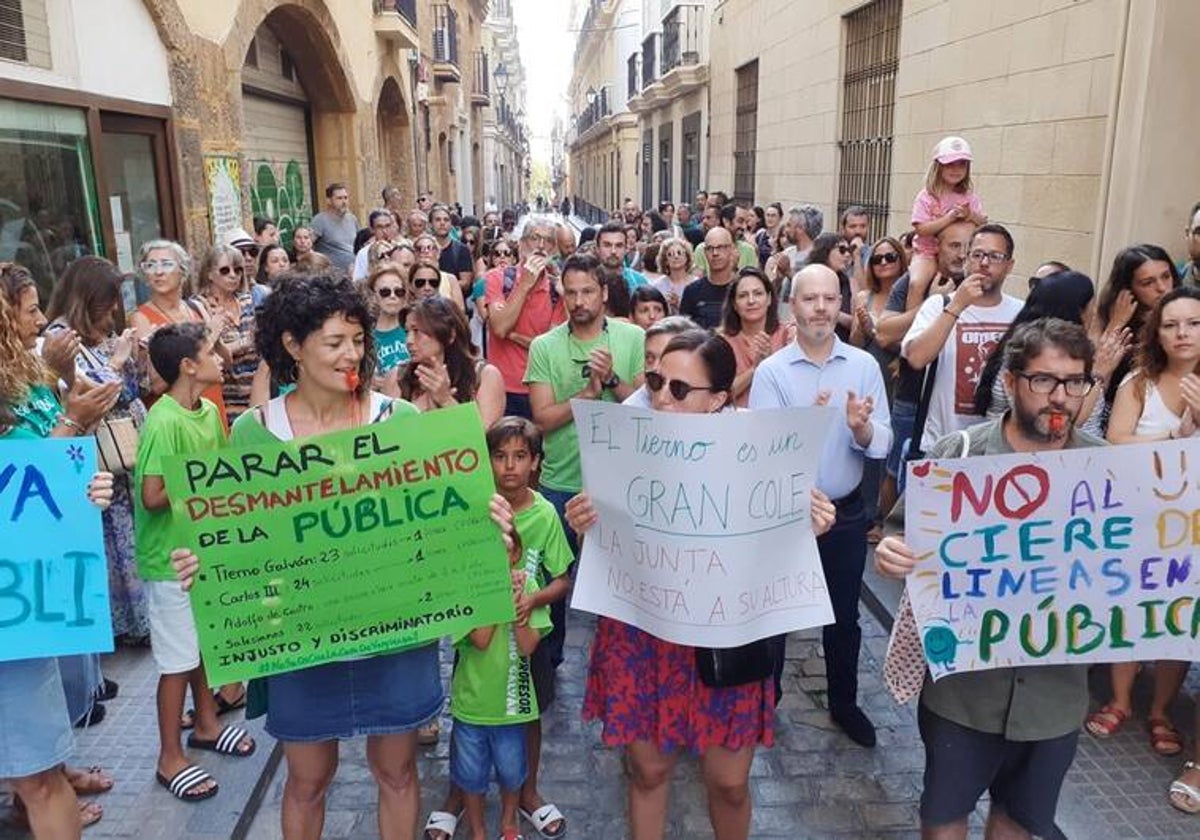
x=35 y=731
x=378 y=695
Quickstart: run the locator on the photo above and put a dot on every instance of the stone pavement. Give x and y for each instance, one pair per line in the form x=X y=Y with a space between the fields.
x=814 y=783
x=125 y=743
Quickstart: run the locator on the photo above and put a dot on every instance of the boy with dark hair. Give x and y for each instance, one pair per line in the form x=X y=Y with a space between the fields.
x=180 y=422
x=489 y=684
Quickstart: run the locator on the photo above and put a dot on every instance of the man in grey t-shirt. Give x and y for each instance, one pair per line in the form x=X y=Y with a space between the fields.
x=335 y=227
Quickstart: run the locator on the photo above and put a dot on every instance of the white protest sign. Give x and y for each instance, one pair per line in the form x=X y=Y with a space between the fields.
x=1077 y=556
x=704 y=535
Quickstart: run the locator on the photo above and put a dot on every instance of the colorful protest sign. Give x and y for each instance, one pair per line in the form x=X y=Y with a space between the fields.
x=704 y=535
x=53 y=574
x=1078 y=556
x=348 y=544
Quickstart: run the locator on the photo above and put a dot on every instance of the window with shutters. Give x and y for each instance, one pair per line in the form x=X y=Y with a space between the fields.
x=868 y=108
x=24 y=32
x=647 y=168
x=690 y=173
x=746 y=132
x=665 y=160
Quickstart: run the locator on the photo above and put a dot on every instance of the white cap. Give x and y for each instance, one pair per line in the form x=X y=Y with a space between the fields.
x=951 y=149
x=238 y=238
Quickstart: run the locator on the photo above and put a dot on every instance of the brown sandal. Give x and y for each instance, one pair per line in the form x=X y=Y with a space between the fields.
x=1164 y=737
x=1107 y=722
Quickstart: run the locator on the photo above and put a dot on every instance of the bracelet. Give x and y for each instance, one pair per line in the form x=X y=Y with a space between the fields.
x=72 y=425
x=951 y=313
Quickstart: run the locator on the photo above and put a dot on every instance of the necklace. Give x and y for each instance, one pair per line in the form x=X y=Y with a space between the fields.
x=168 y=315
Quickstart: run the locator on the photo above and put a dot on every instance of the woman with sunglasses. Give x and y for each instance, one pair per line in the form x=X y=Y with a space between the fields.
x=750 y=323
x=223 y=292
x=388 y=294
x=646 y=691
x=675 y=263
x=428 y=251
x=165 y=265
x=473 y=239
x=834 y=251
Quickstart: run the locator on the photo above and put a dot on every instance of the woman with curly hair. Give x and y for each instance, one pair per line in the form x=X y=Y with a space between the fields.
x=316 y=333
x=443 y=368
x=36 y=711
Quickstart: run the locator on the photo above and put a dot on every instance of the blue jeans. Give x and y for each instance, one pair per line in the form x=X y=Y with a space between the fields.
x=557 y=636
x=476 y=749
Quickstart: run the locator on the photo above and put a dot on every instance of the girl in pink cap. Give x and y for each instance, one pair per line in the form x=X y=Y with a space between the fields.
x=947 y=198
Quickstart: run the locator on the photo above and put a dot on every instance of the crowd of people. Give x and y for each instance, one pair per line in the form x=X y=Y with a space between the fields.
x=698 y=307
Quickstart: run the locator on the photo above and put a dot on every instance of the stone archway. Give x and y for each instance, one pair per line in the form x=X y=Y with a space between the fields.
x=309 y=34
x=396 y=139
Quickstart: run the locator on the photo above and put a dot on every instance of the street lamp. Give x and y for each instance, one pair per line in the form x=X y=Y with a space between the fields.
x=501 y=77
x=591 y=95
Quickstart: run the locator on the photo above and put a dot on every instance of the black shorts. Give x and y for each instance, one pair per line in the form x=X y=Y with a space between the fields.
x=541 y=668
x=1024 y=778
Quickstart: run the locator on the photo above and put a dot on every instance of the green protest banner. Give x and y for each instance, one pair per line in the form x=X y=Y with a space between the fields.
x=348 y=544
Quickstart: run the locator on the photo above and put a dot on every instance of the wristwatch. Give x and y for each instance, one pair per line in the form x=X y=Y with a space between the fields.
x=612 y=382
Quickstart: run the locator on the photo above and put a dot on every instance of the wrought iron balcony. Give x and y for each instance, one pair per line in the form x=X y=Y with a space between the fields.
x=481 y=87
x=634 y=80
x=396 y=20
x=445 y=42
x=650 y=59
x=683 y=37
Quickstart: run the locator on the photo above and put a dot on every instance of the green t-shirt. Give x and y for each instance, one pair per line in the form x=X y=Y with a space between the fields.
x=747 y=257
x=494 y=686
x=547 y=552
x=170 y=430
x=557 y=358
x=37 y=416
x=391 y=349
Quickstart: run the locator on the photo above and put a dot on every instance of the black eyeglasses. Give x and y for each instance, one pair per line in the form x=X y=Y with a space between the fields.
x=678 y=388
x=1044 y=383
x=252 y=250
x=388 y=291
x=226 y=270
x=845 y=249
x=502 y=253
x=879 y=259
x=422 y=282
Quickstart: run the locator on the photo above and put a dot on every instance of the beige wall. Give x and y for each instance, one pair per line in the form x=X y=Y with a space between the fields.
x=1075 y=170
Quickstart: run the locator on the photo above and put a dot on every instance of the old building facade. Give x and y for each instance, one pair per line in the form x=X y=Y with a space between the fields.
x=126 y=120
x=1079 y=112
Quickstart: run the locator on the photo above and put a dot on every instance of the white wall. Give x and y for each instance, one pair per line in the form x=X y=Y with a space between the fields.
x=106 y=47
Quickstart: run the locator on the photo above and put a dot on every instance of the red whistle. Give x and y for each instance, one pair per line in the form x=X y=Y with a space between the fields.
x=352 y=380
x=1058 y=422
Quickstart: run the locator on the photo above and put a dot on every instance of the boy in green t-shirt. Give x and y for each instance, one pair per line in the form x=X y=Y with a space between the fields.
x=180 y=422
x=493 y=687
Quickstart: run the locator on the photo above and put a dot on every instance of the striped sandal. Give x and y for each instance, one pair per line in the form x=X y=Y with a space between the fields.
x=183 y=785
x=229 y=742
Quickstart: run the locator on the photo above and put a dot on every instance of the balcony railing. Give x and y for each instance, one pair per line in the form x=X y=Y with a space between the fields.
x=650 y=60
x=593 y=113
x=480 y=89
x=634 y=81
x=682 y=38
x=407 y=9
x=445 y=34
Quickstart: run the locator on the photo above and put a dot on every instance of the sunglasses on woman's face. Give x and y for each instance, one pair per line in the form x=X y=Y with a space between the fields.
x=879 y=259
x=678 y=388
x=469 y=241
x=845 y=249
x=388 y=291
x=499 y=254
x=226 y=270
x=422 y=282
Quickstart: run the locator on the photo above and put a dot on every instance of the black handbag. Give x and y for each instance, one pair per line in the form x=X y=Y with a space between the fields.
x=729 y=667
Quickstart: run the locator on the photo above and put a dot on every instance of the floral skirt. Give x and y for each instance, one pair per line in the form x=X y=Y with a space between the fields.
x=645 y=689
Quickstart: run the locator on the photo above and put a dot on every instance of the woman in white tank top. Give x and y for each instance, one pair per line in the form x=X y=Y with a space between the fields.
x=1159 y=400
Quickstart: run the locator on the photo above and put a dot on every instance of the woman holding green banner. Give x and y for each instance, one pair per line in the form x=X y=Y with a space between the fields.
x=653 y=696
x=316 y=332
x=35 y=727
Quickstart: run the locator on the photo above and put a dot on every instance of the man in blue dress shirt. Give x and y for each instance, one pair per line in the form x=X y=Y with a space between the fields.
x=821 y=369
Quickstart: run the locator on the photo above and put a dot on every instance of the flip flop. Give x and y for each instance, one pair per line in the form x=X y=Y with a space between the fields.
x=1164 y=737
x=544 y=816
x=1180 y=789
x=186 y=780
x=224 y=707
x=442 y=821
x=227 y=743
